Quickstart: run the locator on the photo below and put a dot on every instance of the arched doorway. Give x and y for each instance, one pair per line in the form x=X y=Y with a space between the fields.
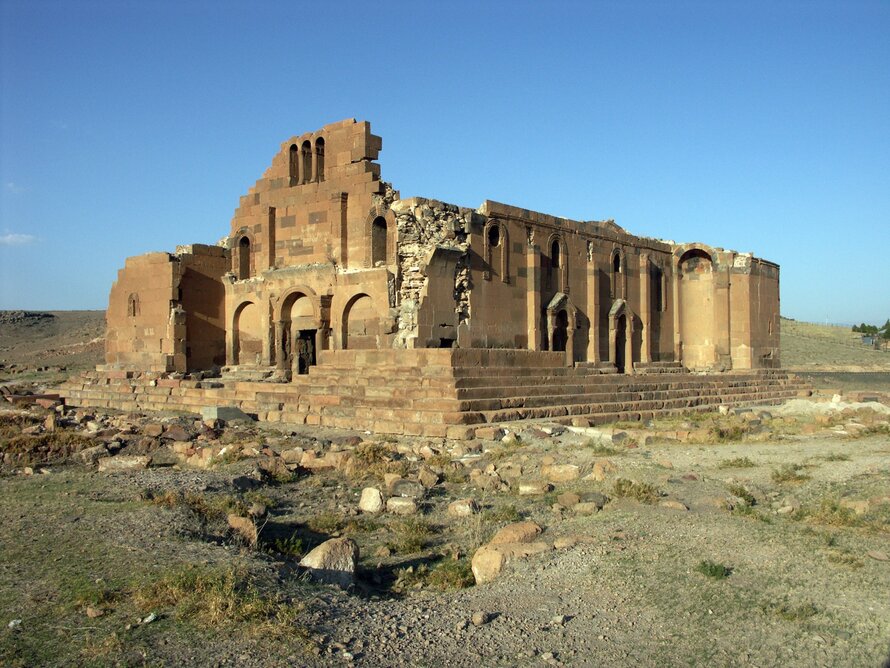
x=297 y=337
x=360 y=324
x=248 y=334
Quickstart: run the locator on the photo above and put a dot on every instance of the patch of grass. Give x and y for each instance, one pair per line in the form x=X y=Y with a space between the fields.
x=372 y=452
x=742 y=492
x=843 y=557
x=724 y=433
x=293 y=546
x=601 y=449
x=737 y=463
x=86 y=592
x=744 y=510
x=831 y=513
x=789 y=612
x=207 y=506
x=361 y=524
x=220 y=597
x=409 y=535
x=713 y=570
x=789 y=473
x=501 y=514
x=255 y=496
x=446 y=575
x=643 y=492
x=837 y=457
x=327 y=523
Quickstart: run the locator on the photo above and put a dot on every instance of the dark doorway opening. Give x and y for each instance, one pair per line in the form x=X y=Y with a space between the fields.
x=620 y=342
x=561 y=331
x=304 y=350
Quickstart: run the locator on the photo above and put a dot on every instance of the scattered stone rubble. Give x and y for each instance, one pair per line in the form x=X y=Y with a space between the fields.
x=126 y=443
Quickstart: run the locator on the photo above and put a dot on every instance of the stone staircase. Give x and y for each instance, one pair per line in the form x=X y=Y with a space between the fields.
x=440 y=393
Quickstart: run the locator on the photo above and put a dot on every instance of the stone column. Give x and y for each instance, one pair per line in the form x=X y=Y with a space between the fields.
x=533 y=295
x=314 y=177
x=280 y=355
x=551 y=329
x=628 y=342
x=645 y=307
x=593 y=312
x=266 y=326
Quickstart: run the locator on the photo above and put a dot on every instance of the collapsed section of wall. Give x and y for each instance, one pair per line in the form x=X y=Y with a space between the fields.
x=433 y=243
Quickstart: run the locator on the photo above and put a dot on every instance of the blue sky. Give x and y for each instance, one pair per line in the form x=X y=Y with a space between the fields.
x=133 y=126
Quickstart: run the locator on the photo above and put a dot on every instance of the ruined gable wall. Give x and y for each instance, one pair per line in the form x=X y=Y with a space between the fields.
x=142 y=327
x=296 y=221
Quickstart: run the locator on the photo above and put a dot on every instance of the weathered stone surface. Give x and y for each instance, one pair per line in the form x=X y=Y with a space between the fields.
x=568 y=499
x=463 y=508
x=408 y=489
x=224 y=414
x=123 y=463
x=427 y=477
x=518 y=532
x=371 y=501
x=399 y=505
x=561 y=472
x=334 y=561
x=489 y=560
x=292 y=456
x=91 y=456
x=586 y=508
x=535 y=488
x=673 y=504
x=601 y=469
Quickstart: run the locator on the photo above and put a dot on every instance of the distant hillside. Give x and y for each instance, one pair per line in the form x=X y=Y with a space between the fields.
x=808 y=346
x=30 y=340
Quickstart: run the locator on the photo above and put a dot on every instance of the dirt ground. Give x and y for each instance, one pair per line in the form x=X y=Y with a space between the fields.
x=756 y=539
x=780 y=559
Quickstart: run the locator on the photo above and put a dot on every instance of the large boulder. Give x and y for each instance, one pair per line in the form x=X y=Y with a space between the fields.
x=334 y=561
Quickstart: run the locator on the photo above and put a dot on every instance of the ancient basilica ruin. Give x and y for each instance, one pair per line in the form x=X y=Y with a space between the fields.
x=335 y=301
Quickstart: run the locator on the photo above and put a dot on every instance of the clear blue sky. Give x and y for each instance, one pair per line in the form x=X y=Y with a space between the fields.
x=133 y=126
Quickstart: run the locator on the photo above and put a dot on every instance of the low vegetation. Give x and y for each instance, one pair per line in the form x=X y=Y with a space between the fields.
x=713 y=569
x=643 y=492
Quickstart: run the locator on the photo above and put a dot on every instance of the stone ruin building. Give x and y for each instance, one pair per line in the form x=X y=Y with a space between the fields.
x=335 y=301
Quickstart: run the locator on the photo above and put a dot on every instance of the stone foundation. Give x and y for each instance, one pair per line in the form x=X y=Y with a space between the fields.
x=444 y=393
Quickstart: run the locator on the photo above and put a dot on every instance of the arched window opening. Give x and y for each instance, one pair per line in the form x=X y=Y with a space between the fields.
x=658 y=289
x=616 y=283
x=243 y=258
x=319 y=159
x=293 y=165
x=307 y=161
x=555 y=270
x=378 y=241
x=555 y=260
x=494 y=236
x=133 y=305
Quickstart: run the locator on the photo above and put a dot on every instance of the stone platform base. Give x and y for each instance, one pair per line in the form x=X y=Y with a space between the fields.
x=439 y=393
